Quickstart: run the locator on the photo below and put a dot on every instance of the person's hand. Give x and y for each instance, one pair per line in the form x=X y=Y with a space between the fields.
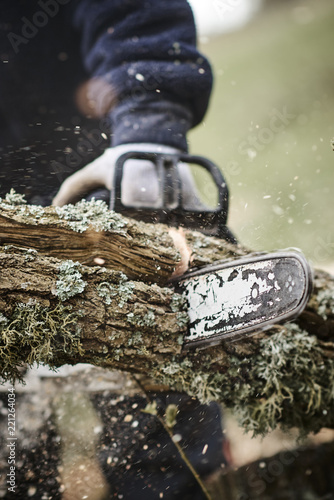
x=140 y=185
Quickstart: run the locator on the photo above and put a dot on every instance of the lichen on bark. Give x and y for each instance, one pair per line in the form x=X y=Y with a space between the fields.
x=131 y=321
x=37 y=334
x=93 y=214
x=69 y=282
x=288 y=382
x=117 y=291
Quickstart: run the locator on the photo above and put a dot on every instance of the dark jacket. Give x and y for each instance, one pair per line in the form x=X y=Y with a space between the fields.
x=66 y=63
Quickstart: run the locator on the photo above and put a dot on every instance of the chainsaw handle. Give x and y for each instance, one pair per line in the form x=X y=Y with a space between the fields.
x=171 y=211
x=163 y=163
x=217 y=176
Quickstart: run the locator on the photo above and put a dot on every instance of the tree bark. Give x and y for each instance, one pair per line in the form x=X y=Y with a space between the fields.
x=82 y=284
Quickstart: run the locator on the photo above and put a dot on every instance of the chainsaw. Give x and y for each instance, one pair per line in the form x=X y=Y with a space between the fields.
x=231 y=299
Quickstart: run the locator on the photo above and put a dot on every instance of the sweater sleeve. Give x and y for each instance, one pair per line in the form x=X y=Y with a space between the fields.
x=145 y=52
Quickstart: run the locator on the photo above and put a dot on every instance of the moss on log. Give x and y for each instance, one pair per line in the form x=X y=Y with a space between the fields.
x=89 y=233
x=56 y=309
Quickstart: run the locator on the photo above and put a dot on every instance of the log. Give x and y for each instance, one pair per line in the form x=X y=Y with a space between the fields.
x=88 y=231
x=83 y=284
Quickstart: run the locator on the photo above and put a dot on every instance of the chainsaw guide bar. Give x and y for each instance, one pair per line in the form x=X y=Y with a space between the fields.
x=229 y=300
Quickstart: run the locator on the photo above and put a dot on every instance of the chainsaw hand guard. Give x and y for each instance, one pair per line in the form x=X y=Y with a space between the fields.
x=170 y=208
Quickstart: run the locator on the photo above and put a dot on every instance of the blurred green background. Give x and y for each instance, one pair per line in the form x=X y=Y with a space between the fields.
x=270 y=126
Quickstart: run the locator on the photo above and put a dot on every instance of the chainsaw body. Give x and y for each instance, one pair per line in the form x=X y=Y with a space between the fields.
x=230 y=299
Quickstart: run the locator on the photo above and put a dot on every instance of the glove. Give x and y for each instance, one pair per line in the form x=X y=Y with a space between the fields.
x=139 y=188
x=140 y=185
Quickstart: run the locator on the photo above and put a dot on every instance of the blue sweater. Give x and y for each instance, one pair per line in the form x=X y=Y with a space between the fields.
x=67 y=63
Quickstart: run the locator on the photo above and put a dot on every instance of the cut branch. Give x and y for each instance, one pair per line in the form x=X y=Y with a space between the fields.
x=89 y=231
x=122 y=316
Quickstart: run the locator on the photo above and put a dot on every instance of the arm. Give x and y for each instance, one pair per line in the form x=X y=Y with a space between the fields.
x=147 y=74
x=144 y=52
